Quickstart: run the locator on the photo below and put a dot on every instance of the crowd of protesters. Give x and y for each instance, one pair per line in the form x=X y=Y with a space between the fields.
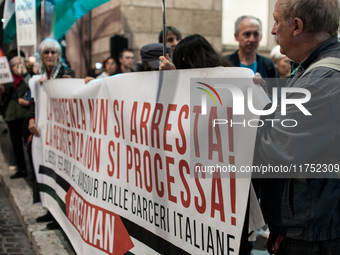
x=303 y=214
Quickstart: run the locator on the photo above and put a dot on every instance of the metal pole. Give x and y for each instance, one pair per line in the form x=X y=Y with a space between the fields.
x=164 y=29
x=19 y=66
x=42 y=25
x=89 y=37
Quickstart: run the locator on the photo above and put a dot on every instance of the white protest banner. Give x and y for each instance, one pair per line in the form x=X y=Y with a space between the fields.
x=5 y=72
x=113 y=163
x=25 y=12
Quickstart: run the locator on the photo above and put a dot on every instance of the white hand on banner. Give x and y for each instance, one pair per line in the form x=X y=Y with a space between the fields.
x=262 y=82
x=88 y=79
x=42 y=79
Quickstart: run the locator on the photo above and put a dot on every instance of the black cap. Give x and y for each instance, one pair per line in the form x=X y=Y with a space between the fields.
x=150 y=53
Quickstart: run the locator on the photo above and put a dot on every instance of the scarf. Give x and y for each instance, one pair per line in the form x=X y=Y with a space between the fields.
x=16 y=81
x=54 y=72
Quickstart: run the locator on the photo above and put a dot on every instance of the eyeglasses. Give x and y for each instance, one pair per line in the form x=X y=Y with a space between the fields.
x=46 y=52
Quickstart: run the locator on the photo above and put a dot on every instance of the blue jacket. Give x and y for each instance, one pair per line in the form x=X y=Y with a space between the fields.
x=305 y=208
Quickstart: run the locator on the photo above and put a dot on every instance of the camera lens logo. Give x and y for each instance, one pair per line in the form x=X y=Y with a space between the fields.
x=204 y=98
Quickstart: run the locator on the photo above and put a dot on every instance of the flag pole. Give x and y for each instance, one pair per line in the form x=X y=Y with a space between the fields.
x=19 y=66
x=164 y=29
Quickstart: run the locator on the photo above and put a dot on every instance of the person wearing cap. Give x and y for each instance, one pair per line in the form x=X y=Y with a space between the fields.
x=150 y=54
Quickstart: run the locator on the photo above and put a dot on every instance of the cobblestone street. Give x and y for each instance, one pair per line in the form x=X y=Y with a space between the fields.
x=13 y=238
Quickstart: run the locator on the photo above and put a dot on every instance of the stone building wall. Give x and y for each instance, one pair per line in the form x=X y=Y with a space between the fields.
x=140 y=21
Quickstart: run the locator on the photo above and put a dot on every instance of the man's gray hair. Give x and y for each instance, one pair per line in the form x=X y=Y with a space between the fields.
x=238 y=21
x=317 y=15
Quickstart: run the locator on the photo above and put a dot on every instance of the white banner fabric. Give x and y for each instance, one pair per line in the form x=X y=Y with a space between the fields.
x=113 y=158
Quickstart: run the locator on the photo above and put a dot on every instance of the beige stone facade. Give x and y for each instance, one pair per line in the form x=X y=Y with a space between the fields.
x=140 y=21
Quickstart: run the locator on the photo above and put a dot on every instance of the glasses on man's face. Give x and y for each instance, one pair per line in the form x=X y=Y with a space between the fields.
x=46 y=52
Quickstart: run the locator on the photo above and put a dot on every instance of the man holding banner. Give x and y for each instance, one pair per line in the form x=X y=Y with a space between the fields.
x=303 y=213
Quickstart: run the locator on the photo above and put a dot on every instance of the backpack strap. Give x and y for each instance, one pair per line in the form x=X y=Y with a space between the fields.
x=332 y=63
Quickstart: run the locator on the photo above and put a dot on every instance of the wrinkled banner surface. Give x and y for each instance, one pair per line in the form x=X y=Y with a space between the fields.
x=113 y=163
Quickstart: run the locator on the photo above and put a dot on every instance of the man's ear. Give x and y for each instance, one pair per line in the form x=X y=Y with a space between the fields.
x=298 y=26
x=236 y=37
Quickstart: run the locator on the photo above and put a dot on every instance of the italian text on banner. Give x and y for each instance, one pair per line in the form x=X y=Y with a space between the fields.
x=116 y=160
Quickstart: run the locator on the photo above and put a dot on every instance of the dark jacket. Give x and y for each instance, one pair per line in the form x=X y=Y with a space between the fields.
x=10 y=105
x=264 y=66
x=62 y=71
x=305 y=208
x=65 y=71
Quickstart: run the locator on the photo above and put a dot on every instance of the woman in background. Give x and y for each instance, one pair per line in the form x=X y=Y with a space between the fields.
x=16 y=100
x=110 y=66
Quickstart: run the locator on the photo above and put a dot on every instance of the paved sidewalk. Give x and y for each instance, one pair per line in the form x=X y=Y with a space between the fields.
x=44 y=241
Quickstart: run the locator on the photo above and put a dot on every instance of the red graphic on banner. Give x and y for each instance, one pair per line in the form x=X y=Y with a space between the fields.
x=97 y=227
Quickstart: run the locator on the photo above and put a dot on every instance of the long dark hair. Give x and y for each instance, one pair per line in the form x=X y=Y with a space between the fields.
x=141 y=67
x=194 y=51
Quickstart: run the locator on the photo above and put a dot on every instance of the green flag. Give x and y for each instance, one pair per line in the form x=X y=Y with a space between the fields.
x=66 y=12
x=9 y=25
